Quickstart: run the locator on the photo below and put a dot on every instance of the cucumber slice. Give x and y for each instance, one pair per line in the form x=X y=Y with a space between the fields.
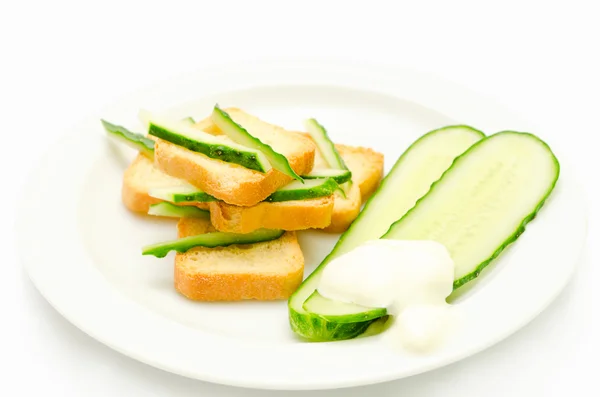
x=292 y=191
x=481 y=205
x=411 y=177
x=176 y=211
x=325 y=145
x=211 y=240
x=341 y=312
x=340 y=176
x=238 y=134
x=181 y=194
x=304 y=190
x=179 y=133
x=131 y=139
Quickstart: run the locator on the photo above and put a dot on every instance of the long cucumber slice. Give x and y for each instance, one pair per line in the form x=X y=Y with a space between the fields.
x=211 y=240
x=410 y=178
x=292 y=191
x=304 y=191
x=182 y=134
x=340 y=176
x=481 y=205
x=181 y=194
x=238 y=134
x=177 y=211
x=327 y=149
x=131 y=139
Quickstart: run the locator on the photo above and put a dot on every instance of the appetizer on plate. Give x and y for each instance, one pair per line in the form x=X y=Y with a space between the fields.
x=242 y=188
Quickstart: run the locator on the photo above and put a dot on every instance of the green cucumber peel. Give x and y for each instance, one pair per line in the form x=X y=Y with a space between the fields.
x=340 y=176
x=211 y=240
x=182 y=134
x=177 y=211
x=239 y=134
x=428 y=157
x=134 y=140
x=310 y=189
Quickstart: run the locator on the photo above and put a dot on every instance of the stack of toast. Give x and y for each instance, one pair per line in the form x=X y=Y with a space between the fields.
x=241 y=203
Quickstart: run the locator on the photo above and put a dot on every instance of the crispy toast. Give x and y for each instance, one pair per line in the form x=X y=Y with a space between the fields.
x=263 y=271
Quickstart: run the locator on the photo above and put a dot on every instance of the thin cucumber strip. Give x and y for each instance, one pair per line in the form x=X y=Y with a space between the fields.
x=325 y=145
x=238 y=134
x=480 y=205
x=179 y=133
x=304 y=191
x=340 y=176
x=177 y=211
x=181 y=194
x=131 y=139
x=341 y=312
x=211 y=240
x=328 y=150
x=410 y=178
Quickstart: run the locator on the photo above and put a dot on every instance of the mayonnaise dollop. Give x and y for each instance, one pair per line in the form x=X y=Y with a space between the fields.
x=410 y=278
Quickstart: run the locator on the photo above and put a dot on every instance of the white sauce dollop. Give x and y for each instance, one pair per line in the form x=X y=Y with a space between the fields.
x=410 y=278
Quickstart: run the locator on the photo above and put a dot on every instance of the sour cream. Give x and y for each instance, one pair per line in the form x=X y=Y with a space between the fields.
x=411 y=279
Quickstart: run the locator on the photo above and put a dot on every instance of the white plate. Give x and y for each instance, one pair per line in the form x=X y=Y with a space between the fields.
x=82 y=248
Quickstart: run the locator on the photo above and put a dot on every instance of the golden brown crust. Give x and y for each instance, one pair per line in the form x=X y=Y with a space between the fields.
x=212 y=287
x=289 y=215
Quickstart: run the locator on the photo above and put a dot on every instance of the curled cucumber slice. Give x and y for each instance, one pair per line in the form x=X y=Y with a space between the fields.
x=131 y=139
x=238 y=134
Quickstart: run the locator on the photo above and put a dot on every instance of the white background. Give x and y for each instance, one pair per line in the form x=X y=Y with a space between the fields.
x=60 y=60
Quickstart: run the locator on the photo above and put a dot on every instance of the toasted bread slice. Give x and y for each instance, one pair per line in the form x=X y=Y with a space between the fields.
x=230 y=182
x=142 y=176
x=263 y=271
x=286 y=215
